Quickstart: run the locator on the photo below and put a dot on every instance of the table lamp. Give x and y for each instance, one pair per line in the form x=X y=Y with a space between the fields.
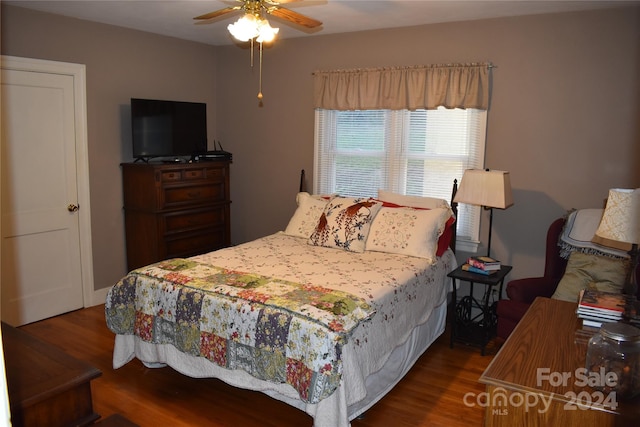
x=621 y=222
x=487 y=188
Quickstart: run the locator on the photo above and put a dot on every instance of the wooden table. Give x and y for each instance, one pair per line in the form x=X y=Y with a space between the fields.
x=534 y=380
x=46 y=386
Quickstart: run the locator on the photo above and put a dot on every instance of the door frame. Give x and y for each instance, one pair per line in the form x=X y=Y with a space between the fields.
x=78 y=72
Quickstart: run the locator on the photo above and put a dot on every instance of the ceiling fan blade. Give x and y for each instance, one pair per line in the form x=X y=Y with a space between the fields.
x=296 y=17
x=217 y=13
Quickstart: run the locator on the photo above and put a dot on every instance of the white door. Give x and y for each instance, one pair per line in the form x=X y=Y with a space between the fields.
x=42 y=272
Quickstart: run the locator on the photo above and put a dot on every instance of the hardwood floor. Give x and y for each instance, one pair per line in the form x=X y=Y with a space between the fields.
x=431 y=394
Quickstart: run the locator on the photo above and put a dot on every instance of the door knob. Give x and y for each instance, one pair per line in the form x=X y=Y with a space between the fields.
x=73 y=208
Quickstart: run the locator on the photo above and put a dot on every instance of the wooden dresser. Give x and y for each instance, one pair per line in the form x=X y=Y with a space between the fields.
x=175 y=210
x=536 y=378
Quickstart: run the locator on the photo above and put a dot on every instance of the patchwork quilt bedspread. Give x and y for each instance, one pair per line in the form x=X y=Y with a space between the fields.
x=303 y=317
x=274 y=329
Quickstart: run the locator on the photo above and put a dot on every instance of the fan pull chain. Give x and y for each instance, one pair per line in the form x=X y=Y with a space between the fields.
x=260 y=75
x=251 y=53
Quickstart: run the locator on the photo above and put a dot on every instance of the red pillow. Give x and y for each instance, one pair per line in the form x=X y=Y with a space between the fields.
x=445 y=238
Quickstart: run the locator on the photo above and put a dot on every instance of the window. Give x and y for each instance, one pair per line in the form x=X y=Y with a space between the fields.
x=416 y=153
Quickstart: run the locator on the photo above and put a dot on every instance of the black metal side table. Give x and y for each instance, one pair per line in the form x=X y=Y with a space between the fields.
x=475 y=329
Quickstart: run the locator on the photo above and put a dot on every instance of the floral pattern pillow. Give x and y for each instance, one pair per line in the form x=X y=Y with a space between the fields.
x=305 y=219
x=408 y=231
x=345 y=223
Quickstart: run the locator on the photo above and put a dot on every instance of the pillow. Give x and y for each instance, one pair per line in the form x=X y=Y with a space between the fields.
x=345 y=224
x=591 y=271
x=444 y=241
x=578 y=234
x=306 y=217
x=412 y=201
x=408 y=231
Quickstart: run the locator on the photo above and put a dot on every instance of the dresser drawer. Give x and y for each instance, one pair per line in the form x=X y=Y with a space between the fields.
x=190 y=174
x=215 y=174
x=191 y=220
x=192 y=195
x=171 y=176
x=190 y=244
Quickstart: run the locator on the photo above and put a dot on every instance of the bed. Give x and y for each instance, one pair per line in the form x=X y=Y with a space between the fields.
x=326 y=315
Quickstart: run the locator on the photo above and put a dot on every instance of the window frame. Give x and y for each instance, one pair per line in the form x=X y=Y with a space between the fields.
x=397 y=157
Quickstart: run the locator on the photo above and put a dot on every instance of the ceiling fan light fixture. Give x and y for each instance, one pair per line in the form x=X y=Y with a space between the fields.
x=250 y=26
x=266 y=32
x=245 y=28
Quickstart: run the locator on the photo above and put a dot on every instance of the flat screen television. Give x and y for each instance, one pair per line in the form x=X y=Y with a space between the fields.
x=168 y=128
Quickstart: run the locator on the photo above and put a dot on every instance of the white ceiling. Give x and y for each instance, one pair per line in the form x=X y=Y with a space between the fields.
x=175 y=17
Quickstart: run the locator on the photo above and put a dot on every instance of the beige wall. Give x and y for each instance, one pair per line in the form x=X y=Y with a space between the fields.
x=120 y=64
x=563 y=119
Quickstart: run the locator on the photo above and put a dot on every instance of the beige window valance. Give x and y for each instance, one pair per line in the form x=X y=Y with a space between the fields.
x=410 y=88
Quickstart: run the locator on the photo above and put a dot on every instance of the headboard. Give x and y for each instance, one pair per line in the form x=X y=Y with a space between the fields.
x=303 y=182
x=454 y=208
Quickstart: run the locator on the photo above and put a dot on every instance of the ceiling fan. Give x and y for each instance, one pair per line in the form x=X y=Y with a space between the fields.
x=271 y=7
x=253 y=26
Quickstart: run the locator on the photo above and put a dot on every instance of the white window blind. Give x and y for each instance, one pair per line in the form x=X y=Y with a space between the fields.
x=416 y=153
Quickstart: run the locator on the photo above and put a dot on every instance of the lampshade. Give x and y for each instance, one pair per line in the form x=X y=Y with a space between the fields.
x=245 y=28
x=621 y=217
x=266 y=32
x=490 y=188
x=250 y=26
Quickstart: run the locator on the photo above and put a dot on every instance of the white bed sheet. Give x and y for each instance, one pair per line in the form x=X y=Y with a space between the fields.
x=409 y=295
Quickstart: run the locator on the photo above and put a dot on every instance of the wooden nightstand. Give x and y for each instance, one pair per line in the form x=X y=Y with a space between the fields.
x=475 y=329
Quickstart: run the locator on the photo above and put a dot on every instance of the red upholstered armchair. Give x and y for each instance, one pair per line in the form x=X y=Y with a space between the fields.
x=522 y=292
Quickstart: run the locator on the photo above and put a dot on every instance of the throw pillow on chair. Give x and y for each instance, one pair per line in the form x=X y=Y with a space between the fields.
x=584 y=271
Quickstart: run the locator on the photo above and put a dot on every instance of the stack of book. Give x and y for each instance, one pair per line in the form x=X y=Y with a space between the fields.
x=482 y=265
x=597 y=307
